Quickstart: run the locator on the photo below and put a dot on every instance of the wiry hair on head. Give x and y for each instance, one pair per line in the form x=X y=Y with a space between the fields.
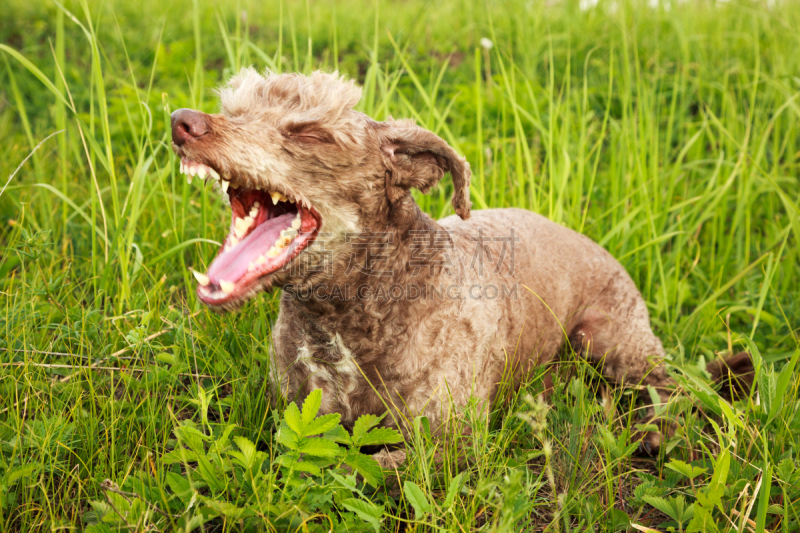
x=319 y=97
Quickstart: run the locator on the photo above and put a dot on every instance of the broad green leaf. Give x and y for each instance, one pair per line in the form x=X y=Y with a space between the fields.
x=180 y=486
x=365 y=510
x=287 y=437
x=311 y=407
x=319 y=447
x=366 y=466
x=23 y=471
x=227 y=509
x=381 y=436
x=338 y=434
x=416 y=498
x=686 y=469
x=298 y=466
x=662 y=505
x=322 y=424
x=248 y=451
x=293 y=418
x=213 y=478
x=364 y=424
x=223 y=440
x=348 y=482
x=181 y=455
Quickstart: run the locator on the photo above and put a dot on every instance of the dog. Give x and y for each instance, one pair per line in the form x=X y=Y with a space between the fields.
x=383 y=308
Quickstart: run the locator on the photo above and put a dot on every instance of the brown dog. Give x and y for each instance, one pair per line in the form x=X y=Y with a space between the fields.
x=384 y=308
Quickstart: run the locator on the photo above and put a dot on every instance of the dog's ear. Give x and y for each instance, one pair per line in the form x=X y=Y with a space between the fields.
x=419 y=158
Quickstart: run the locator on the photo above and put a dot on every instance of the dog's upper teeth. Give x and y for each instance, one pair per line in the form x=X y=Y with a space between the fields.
x=225 y=184
x=189 y=179
x=226 y=286
x=202 y=279
x=212 y=173
x=276 y=196
x=201 y=172
x=183 y=167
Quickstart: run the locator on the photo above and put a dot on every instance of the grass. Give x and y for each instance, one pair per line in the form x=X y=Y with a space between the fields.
x=670 y=135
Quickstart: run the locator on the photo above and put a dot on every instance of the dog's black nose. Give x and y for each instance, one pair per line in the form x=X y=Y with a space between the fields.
x=187 y=124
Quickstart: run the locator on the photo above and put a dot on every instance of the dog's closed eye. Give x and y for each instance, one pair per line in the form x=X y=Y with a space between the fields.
x=309 y=133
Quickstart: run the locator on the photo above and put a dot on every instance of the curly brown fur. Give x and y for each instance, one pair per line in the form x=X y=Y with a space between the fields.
x=412 y=356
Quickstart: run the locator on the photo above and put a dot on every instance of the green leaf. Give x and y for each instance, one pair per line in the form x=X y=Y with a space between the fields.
x=707 y=396
x=338 y=434
x=321 y=424
x=293 y=418
x=180 y=486
x=784 y=379
x=366 y=466
x=365 y=510
x=662 y=505
x=181 y=455
x=417 y=498
x=287 y=437
x=686 y=469
x=216 y=482
x=319 y=447
x=298 y=466
x=364 y=424
x=452 y=490
x=381 y=436
x=23 y=471
x=311 y=407
x=761 y=374
x=248 y=451
x=227 y=509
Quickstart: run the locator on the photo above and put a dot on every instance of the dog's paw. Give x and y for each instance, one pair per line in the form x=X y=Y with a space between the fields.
x=390 y=460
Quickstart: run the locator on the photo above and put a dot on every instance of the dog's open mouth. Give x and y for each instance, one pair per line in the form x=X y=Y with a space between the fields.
x=268 y=230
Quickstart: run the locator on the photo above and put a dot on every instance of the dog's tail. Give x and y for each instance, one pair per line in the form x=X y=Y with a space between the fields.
x=734 y=375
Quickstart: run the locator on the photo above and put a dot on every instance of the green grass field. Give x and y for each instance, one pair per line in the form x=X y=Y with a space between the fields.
x=670 y=135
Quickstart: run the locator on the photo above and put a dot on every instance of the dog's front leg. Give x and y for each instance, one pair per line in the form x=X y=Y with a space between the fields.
x=390 y=460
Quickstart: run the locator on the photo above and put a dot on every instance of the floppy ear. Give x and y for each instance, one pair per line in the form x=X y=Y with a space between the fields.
x=418 y=158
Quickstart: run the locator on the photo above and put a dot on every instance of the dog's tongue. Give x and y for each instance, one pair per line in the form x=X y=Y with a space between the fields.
x=230 y=266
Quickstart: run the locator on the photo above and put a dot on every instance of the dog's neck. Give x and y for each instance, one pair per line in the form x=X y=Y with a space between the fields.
x=410 y=253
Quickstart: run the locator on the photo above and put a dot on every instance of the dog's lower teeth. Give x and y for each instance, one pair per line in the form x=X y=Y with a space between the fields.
x=253 y=212
x=226 y=286
x=273 y=252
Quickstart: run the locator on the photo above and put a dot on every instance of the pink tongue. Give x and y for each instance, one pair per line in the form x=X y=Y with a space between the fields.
x=232 y=265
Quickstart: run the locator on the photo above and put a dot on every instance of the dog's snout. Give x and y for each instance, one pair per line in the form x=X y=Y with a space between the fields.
x=187 y=124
